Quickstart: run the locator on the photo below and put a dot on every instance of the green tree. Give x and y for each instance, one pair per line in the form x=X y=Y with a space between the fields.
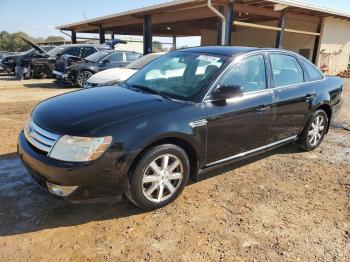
x=53 y=38
x=158 y=47
x=17 y=43
x=4 y=40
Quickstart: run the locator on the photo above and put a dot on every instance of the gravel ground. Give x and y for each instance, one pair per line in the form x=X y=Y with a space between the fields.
x=282 y=205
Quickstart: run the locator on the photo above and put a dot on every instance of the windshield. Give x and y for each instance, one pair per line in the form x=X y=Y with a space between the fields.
x=95 y=57
x=180 y=75
x=55 y=51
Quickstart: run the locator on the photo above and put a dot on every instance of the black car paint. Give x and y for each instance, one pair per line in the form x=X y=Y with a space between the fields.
x=138 y=120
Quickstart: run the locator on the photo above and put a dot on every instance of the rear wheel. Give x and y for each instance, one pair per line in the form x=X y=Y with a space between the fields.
x=314 y=131
x=82 y=77
x=159 y=177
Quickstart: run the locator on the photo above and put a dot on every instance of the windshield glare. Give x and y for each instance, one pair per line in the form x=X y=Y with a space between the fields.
x=179 y=75
x=141 y=62
x=95 y=57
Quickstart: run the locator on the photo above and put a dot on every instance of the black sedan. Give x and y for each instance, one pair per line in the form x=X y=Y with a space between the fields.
x=184 y=113
x=80 y=72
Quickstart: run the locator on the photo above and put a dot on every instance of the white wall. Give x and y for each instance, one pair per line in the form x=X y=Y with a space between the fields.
x=256 y=37
x=335 y=44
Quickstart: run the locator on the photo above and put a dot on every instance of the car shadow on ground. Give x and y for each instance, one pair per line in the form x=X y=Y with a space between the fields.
x=24 y=207
x=46 y=85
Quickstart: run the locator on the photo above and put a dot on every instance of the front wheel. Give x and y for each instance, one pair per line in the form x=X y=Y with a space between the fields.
x=159 y=177
x=82 y=77
x=314 y=131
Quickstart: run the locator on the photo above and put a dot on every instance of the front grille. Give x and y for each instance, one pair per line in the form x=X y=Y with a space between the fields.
x=40 y=138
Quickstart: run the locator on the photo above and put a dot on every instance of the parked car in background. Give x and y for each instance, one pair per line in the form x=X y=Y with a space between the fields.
x=115 y=75
x=4 y=54
x=59 y=58
x=79 y=72
x=9 y=62
x=186 y=112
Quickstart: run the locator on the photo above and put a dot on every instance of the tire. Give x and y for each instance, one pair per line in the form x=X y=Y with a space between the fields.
x=81 y=78
x=149 y=186
x=314 y=131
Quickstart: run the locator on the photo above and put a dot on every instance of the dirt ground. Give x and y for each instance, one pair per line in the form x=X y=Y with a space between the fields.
x=283 y=205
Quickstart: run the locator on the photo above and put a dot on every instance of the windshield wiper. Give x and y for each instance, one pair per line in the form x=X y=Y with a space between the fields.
x=147 y=89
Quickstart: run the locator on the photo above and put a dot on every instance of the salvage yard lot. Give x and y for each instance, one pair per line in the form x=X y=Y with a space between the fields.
x=285 y=204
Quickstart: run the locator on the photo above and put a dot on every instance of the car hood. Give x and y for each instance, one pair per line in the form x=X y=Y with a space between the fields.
x=86 y=112
x=111 y=75
x=34 y=45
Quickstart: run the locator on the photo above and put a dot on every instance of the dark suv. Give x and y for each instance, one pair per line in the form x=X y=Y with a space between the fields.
x=81 y=71
x=58 y=58
x=182 y=114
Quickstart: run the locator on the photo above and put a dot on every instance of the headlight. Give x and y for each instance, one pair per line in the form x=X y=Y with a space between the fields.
x=79 y=149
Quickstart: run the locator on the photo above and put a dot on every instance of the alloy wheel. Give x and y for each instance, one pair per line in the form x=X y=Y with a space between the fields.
x=316 y=130
x=83 y=77
x=162 y=178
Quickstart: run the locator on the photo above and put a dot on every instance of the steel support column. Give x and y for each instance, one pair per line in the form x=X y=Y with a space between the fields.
x=280 y=33
x=112 y=36
x=74 y=37
x=147 y=34
x=229 y=13
x=317 y=43
x=174 y=42
x=102 y=35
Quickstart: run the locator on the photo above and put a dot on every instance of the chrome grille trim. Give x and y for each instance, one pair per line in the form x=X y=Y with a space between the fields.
x=40 y=138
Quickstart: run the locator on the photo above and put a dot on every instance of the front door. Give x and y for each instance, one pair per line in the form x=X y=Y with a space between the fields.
x=242 y=123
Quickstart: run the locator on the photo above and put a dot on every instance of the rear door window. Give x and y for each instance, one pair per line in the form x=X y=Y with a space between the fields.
x=74 y=51
x=115 y=57
x=313 y=72
x=286 y=70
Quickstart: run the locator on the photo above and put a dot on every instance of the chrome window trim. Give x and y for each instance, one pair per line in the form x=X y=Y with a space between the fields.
x=251 y=151
x=257 y=52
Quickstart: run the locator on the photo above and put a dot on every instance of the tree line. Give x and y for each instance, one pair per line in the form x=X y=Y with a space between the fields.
x=14 y=42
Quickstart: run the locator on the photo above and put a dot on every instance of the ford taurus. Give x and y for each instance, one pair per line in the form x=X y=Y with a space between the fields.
x=182 y=114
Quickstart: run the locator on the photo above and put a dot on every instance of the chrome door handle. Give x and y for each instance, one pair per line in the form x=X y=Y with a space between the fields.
x=261 y=109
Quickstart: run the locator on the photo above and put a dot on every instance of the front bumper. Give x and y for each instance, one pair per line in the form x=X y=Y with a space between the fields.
x=95 y=181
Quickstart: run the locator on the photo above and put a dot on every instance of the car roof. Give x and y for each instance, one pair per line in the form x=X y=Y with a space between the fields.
x=230 y=50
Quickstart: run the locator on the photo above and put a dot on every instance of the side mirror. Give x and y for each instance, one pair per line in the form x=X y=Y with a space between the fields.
x=226 y=91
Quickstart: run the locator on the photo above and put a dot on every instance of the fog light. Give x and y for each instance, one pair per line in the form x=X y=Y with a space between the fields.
x=60 y=190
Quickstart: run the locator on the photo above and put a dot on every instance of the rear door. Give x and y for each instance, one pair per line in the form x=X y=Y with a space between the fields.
x=242 y=123
x=293 y=94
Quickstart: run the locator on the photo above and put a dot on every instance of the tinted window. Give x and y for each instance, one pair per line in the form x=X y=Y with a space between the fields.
x=74 y=51
x=115 y=57
x=313 y=72
x=286 y=70
x=132 y=56
x=249 y=74
x=87 y=51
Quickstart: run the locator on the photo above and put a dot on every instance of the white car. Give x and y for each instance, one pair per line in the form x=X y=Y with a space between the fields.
x=116 y=75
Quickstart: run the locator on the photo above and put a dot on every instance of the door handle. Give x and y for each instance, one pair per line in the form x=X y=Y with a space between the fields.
x=309 y=97
x=261 y=109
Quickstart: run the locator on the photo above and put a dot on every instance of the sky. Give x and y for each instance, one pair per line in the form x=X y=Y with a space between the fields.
x=38 y=18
